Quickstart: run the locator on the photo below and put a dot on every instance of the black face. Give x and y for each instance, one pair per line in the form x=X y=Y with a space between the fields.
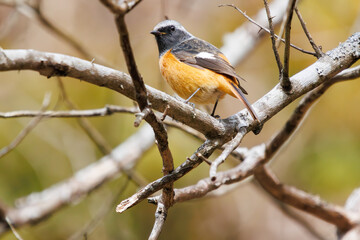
x=168 y=36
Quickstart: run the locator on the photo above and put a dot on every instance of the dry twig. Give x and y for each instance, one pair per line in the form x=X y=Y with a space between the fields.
x=230 y=147
x=317 y=49
x=99 y=112
x=273 y=39
x=16 y=234
x=284 y=78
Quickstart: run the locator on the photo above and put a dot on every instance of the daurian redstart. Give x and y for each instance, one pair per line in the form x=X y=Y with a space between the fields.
x=195 y=69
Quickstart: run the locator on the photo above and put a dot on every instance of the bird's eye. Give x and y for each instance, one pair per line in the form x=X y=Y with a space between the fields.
x=172 y=28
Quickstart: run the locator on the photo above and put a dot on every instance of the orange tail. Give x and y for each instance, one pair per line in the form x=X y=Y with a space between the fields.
x=240 y=95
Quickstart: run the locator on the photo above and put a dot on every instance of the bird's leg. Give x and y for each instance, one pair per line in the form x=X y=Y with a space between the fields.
x=213 y=111
x=187 y=100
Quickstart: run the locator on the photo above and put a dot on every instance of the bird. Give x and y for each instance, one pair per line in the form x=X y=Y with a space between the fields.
x=196 y=70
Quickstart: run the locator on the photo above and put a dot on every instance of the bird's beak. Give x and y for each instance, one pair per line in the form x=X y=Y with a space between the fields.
x=156 y=33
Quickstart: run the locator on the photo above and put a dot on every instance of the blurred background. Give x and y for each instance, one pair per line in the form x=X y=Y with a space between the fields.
x=323 y=158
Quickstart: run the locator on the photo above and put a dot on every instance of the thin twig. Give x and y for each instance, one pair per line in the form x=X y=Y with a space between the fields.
x=348 y=74
x=272 y=36
x=204 y=159
x=140 y=116
x=120 y=8
x=32 y=124
x=284 y=78
x=317 y=49
x=160 y=217
x=231 y=146
x=266 y=30
x=16 y=234
x=282 y=28
x=99 y=112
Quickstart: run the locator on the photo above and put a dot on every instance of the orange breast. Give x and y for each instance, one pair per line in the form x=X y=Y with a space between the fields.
x=185 y=80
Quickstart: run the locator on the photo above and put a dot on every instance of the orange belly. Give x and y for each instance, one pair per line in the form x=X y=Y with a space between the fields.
x=185 y=80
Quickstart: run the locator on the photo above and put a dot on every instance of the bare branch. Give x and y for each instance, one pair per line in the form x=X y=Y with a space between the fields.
x=353 y=201
x=32 y=124
x=120 y=8
x=284 y=78
x=300 y=220
x=312 y=204
x=317 y=50
x=185 y=128
x=231 y=146
x=160 y=217
x=348 y=74
x=273 y=40
x=141 y=115
x=16 y=234
x=352 y=204
x=99 y=112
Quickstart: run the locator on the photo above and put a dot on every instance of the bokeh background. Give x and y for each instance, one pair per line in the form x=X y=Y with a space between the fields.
x=323 y=158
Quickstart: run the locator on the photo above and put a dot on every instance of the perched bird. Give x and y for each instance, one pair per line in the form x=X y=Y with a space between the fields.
x=196 y=70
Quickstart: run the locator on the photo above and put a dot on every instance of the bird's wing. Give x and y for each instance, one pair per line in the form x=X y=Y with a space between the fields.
x=200 y=54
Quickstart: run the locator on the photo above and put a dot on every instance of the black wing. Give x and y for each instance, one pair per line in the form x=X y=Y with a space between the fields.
x=201 y=54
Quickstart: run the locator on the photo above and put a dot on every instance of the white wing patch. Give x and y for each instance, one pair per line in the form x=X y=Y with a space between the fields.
x=205 y=55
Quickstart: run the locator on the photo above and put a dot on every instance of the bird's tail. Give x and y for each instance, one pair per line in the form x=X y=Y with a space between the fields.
x=240 y=95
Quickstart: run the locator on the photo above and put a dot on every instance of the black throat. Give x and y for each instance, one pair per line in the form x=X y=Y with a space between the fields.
x=167 y=41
